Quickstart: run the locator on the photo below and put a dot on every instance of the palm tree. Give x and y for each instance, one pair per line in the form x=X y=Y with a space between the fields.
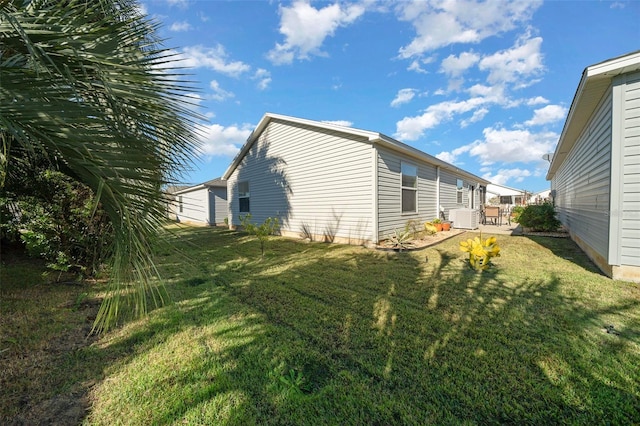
x=86 y=85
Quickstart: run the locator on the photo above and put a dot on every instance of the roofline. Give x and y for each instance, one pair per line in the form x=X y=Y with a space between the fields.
x=203 y=185
x=607 y=69
x=372 y=137
x=509 y=187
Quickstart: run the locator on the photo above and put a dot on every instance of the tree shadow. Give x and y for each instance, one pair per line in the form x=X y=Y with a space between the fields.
x=567 y=249
x=374 y=337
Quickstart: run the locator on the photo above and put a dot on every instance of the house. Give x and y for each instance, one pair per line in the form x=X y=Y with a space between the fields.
x=500 y=194
x=328 y=182
x=540 y=197
x=203 y=204
x=595 y=170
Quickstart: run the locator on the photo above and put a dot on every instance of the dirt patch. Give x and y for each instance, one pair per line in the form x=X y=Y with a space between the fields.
x=44 y=333
x=423 y=242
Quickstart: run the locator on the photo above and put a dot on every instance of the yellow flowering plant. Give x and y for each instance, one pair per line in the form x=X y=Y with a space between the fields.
x=480 y=251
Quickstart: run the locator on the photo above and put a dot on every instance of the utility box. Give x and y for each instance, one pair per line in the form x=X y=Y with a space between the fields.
x=464 y=218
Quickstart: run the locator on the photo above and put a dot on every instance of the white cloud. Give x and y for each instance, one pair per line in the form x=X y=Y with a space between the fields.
x=180 y=3
x=180 y=26
x=416 y=64
x=442 y=23
x=218 y=140
x=538 y=100
x=219 y=94
x=142 y=9
x=403 y=96
x=264 y=78
x=452 y=157
x=305 y=28
x=515 y=65
x=505 y=175
x=214 y=58
x=411 y=128
x=455 y=66
x=511 y=146
x=344 y=123
x=478 y=115
x=547 y=114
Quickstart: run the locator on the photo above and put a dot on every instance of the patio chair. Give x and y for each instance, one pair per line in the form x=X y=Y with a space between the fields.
x=492 y=213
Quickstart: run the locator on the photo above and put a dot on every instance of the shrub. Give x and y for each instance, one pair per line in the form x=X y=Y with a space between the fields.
x=270 y=226
x=540 y=217
x=59 y=220
x=516 y=211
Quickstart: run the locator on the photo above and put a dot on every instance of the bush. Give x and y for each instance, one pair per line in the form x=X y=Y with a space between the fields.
x=58 y=220
x=541 y=217
x=270 y=226
x=516 y=212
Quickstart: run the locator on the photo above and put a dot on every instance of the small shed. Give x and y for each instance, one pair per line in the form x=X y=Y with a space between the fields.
x=595 y=170
x=327 y=182
x=202 y=204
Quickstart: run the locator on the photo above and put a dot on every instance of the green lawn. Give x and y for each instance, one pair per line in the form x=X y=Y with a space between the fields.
x=330 y=334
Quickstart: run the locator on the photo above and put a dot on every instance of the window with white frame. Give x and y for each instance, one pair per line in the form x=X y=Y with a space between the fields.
x=180 y=205
x=243 y=196
x=459 y=187
x=409 y=188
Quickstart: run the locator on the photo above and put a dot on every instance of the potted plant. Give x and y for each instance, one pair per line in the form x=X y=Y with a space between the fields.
x=437 y=223
x=446 y=225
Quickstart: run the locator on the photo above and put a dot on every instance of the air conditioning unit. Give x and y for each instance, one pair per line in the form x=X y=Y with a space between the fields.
x=464 y=218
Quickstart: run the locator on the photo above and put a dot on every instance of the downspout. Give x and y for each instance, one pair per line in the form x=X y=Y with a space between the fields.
x=374 y=216
x=437 y=191
x=208 y=209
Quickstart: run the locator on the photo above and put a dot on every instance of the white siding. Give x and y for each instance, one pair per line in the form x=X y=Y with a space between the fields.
x=630 y=219
x=390 y=214
x=314 y=180
x=194 y=206
x=581 y=183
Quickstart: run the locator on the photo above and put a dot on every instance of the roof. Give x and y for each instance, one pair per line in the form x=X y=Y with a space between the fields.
x=494 y=188
x=594 y=83
x=373 y=138
x=213 y=183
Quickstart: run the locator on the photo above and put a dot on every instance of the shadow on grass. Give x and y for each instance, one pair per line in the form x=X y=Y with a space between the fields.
x=565 y=248
x=326 y=334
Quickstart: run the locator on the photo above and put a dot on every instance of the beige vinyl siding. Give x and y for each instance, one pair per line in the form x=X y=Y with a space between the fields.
x=311 y=179
x=630 y=223
x=390 y=214
x=582 y=183
x=194 y=206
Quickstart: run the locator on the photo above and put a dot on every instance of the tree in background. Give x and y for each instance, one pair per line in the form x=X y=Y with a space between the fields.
x=87 y=88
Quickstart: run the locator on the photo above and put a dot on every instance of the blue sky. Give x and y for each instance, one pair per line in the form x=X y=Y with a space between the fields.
x=483 y=85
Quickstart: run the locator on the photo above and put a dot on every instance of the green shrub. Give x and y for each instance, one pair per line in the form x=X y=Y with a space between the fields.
x=270 y=226
x=57 y=219
x=540 y=217
x=516 y=212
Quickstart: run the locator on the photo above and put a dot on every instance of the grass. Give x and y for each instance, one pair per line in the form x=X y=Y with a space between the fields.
x=330 y=334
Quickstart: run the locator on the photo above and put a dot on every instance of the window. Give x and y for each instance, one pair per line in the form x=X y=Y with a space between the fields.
x=243 y=196
x=505 y=199
x=409 y=188
x=459 y=186
x=180 y=205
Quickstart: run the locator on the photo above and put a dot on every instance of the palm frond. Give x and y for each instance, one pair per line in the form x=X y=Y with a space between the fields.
x=87 y=84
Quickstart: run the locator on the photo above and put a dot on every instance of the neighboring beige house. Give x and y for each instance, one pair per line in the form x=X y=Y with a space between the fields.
x=595 y=170
x=333 y=183
x=202 y=204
